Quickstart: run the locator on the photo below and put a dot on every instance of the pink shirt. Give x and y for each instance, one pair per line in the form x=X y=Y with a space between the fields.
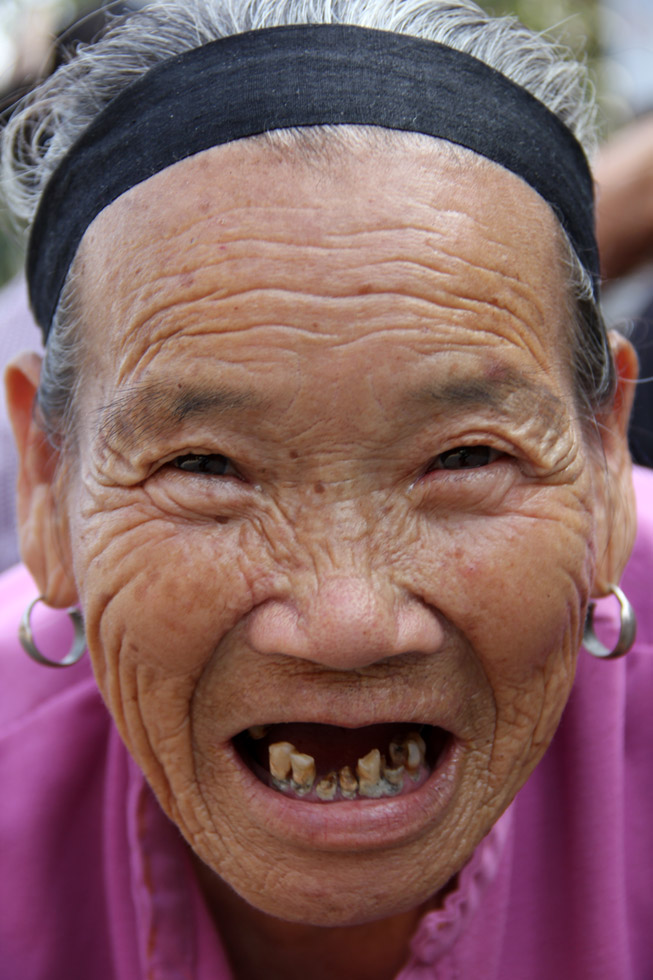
x=95 y=883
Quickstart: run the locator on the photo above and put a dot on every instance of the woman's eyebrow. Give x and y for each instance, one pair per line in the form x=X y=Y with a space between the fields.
x=512 y=394
x=147 y=411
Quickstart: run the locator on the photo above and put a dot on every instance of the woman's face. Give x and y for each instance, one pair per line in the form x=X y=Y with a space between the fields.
x=331 y=479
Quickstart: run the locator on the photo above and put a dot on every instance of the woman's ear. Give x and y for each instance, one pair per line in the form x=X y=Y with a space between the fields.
x=42 y=525
x=618 y=520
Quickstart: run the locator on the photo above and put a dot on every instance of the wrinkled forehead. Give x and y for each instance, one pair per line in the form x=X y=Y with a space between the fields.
x=324 y=183
x=252 y=253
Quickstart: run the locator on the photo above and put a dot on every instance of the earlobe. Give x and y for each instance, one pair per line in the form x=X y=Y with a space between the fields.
x=619 y=510
x=42 y=532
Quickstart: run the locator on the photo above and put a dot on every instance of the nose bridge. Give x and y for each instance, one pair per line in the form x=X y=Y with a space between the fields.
x=352 y=609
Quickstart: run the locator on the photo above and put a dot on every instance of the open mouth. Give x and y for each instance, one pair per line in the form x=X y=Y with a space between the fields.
x=327 y=764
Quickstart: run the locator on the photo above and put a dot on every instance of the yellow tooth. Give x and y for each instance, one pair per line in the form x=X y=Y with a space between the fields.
x=303 y=770
x=415 y=751
x=397 y=752
x=348 y=783
x=326 y=788
x=279 y=754
x=368 y=770
x=420 y=741
x=369 y=767
x=258 y=731
x=394 y=775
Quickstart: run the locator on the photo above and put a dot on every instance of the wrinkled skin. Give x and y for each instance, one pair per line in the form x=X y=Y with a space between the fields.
x=331 y=331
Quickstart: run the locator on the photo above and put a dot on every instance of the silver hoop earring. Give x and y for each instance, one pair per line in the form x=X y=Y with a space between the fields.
x=627 y=629
x=26 y=638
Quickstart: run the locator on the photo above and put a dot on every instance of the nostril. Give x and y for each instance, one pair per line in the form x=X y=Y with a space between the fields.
x=345 y=623
x=273 y=628
x=419 y=629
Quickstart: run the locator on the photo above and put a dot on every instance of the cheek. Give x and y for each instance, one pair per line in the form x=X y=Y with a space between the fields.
x=158 y=597
x=159 y=593
x=516 y=586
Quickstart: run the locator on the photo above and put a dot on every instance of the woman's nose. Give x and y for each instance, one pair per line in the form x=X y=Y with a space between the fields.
x=346 y=623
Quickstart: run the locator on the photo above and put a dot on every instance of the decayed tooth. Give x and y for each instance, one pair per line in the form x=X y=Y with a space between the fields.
x=348 y=783
x=397 y=752
x=326 y=788
x=280 y=765
x=394 y=775
x=369 y=767
x=368 y=770
x=303 y=771
x=258 y=732
x=415 y=751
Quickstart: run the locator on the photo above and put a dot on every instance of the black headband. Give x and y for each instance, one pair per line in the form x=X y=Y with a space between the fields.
x=303 y=75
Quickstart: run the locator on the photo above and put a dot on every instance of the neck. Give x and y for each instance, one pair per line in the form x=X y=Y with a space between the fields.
x=259 y=945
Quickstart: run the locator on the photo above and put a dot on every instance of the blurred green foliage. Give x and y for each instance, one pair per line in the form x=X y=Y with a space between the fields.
x=575 y=22
x=10 y=257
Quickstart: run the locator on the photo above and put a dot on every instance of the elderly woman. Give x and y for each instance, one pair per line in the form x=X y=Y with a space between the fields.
x=327 y=454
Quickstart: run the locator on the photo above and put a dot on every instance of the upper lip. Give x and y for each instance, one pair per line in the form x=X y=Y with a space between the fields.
x=405 y=690
x=346 y=715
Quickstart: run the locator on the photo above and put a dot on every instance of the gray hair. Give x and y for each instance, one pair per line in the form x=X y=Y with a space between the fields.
x=43 y=130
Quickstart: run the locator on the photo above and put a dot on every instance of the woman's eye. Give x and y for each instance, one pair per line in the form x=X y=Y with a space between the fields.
x=465 y=458
x=212 y=463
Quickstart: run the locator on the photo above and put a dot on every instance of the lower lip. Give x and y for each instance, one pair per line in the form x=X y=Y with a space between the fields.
x=363 y=825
